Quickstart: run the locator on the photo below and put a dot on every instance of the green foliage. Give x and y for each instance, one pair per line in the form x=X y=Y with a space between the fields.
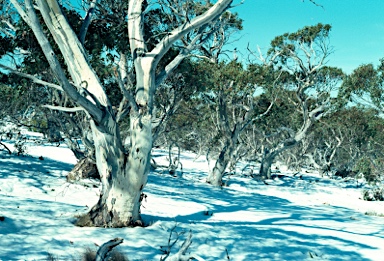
x=362 y=80
x=301 y=53
x=359 y=132
x=306 y=35
x=365 y=86
x=37 y=124
x=365 y=167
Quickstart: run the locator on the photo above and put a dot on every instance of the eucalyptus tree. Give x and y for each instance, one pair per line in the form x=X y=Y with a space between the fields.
x=234 y=100
x=123 y=171
x=349 y=141
x=322 y=148
x=365 y=86
x=303 y=55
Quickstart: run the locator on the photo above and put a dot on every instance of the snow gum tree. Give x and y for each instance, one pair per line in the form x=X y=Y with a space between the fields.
x=303 y=55
x=365 y=86
x=123 y=170
x=235 y=108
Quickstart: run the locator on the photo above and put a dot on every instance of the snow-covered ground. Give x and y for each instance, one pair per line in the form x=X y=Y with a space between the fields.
x=292 y=218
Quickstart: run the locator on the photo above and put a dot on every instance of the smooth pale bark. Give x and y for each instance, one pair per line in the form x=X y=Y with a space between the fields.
x=82 y=74
x=215 y=177
x=269 y=156
x=121 y=175
x=104 y=251
x=122 y=183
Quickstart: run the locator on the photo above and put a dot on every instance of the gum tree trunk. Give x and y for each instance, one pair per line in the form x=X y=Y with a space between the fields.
x=265 y=167
x=123 y=175
x=215 y=177
x=267 y=160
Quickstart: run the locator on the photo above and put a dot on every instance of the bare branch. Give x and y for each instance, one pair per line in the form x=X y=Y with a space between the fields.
x=165 y=44
x=87 y=21
x=181 y=254
x=314 y=2
x=5 y=146
x=66 y=109
x=176 y=61
x=32 y=77
x=32 y=20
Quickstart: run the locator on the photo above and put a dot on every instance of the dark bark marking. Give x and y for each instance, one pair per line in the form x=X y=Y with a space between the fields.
x=109 y=176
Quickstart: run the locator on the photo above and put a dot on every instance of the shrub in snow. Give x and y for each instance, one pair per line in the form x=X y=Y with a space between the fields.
x=372 y=213
x=366 y=167
x=345 y=173
x=374 y=194
x=20 y=147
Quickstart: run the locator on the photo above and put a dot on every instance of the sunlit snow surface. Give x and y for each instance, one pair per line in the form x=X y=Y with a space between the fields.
x=289 y=219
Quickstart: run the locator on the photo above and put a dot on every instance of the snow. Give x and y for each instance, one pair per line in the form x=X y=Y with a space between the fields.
x=292 y=218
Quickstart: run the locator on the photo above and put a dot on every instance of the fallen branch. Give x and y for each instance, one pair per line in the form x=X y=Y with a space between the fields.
x=5 y=146
x=181 y=254
x=103 y=252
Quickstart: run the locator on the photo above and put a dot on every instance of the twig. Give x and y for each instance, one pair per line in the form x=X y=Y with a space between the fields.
x=226 y=251
x=5 y=146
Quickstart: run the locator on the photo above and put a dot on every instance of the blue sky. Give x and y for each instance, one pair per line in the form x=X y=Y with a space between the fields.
x=357 y=34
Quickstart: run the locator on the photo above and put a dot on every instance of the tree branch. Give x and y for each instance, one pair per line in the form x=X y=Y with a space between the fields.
x=66 y=109
x=87 y=21
x=176 y=61
x=72 y=50
x=165 y=44
x=5 y=146
x=31 y=19
x=32 y=77
x=103 y=252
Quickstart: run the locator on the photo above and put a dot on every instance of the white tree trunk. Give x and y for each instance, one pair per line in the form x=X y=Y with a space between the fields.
x=123 y=176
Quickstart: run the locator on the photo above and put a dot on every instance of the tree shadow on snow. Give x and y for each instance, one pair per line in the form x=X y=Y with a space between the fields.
x=34 y=171
x=262 y=226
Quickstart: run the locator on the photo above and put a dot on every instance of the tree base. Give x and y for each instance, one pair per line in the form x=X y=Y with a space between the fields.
x=99 y=216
